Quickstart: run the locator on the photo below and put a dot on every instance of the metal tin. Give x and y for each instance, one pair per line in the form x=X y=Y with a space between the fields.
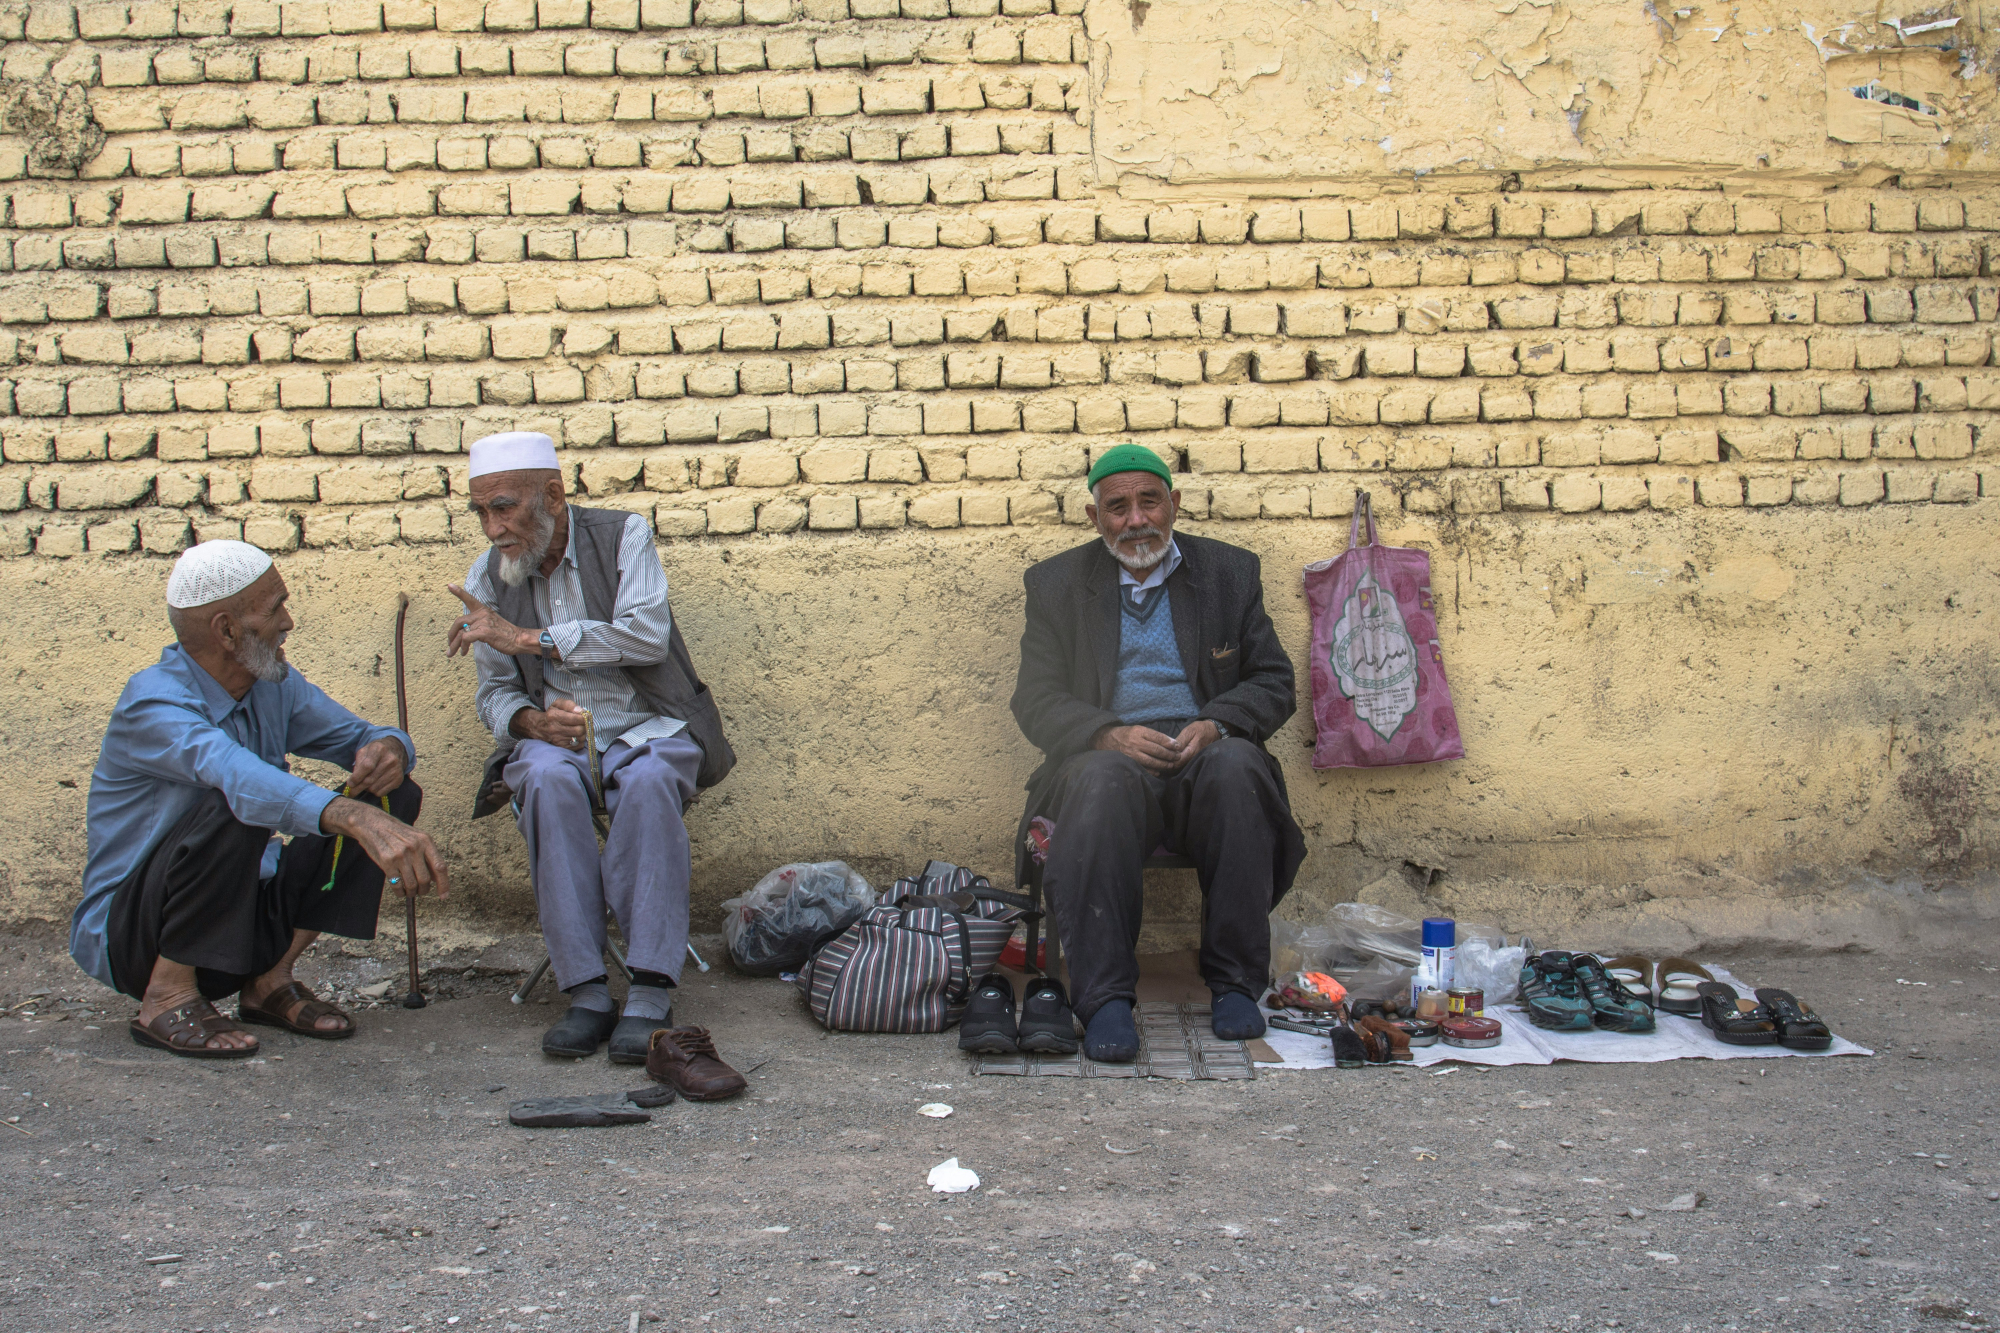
x=1471 y=1031
x=1468 y=1001
x=1420 y=1031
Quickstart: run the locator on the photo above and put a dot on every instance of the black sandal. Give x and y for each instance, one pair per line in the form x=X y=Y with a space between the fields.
x=1733 y=1019
x=1798 y=1026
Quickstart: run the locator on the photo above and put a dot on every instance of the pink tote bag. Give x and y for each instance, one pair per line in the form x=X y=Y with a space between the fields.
x=1378 y=690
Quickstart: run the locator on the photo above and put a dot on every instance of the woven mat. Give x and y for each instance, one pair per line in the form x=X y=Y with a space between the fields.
x=1175 y=1041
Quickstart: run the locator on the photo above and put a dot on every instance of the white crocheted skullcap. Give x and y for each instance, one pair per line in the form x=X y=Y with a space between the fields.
x=214 y=570
x=513 y=451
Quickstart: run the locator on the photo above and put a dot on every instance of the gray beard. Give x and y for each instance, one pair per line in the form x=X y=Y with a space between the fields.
x=1139 y=564
x=261 y=659
x=515 y=572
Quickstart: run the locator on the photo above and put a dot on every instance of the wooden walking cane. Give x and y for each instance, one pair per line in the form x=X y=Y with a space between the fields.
x=415 y=999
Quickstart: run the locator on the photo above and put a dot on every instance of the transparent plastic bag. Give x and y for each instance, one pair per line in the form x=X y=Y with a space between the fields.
x=1295 y=947
x=791 y=912
x=1363 y=930
x=1488 y=963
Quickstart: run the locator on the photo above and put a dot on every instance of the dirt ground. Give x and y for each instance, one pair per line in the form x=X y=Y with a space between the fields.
x=375 y=1184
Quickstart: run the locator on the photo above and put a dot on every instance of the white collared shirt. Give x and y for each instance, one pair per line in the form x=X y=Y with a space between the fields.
x=586 y=674
x=1155 y=576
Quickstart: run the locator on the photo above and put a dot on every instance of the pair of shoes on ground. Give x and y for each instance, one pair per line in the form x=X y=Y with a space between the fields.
x=1045 y=1025
x=1575 y=992
x=1774 y=1018
x=1048 y=1027
x=579 y=1033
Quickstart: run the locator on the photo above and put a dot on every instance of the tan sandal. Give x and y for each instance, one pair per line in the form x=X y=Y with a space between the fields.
x=1634 y=973
x=187 y=1031
x=1678 y=991
x=309 y=1012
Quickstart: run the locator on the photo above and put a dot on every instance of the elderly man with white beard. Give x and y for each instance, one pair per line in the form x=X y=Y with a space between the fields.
x=1151 y=678
x=188 y=894
x=567 y=619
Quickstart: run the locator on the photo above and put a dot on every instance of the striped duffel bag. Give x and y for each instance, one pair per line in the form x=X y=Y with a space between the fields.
x=910 y=964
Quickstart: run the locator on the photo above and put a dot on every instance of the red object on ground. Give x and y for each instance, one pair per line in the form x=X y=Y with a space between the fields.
x=1015 y=955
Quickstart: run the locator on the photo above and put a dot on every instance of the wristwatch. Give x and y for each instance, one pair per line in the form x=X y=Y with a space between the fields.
x=548 y=644
x=1222 y=731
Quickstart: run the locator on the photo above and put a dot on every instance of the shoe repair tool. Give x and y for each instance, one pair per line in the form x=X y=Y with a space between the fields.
x=1471 y=1032
x=415 y=999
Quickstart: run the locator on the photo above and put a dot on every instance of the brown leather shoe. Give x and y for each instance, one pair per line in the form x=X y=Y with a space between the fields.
x=686 y=1058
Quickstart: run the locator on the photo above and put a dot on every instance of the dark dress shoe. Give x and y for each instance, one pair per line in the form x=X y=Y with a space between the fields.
x=1047 y=1025
x=631 y=1038
x=579 y=1034
x=686 y=1058
x=987 y=1026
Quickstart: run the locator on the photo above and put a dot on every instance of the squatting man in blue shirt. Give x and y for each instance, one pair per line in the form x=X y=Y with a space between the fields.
x=188 y=893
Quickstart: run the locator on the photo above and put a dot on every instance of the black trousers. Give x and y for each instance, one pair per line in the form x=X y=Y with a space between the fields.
x=1224 y=811
x=197 y=898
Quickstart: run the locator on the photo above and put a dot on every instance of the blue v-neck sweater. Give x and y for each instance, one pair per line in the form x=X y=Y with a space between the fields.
x=1151 y=685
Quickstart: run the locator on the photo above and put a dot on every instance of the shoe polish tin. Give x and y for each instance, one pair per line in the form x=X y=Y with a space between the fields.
x=1465 y=1002
x=1471 y=1032
x=1421 y=1032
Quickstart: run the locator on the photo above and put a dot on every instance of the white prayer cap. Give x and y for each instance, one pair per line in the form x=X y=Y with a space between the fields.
x=212 y=571
x=513 y=451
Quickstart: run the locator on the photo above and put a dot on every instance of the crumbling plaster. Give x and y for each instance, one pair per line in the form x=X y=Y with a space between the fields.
x=1321 y=96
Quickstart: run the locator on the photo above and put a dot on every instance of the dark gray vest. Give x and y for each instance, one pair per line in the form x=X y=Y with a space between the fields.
x=670 y=688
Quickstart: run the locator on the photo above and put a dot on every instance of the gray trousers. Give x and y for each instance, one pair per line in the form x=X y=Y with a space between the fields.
x=642 y=874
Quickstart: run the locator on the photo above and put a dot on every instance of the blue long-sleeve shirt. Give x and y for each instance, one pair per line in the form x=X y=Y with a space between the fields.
x=174 y=735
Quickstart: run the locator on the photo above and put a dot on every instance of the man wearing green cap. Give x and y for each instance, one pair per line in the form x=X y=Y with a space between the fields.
x=1150 y=679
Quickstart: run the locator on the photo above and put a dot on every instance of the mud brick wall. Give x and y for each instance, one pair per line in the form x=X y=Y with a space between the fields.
x=839 y=265
x=834 y=293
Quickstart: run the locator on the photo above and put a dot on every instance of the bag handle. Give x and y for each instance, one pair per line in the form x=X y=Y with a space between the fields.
x=965 y=958
x=1364 y=510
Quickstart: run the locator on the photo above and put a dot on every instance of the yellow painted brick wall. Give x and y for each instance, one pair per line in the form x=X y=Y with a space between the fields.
x=840 y=269
x=765 y=266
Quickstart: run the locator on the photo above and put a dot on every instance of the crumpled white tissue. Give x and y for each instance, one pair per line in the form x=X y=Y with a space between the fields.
x=948 y=1177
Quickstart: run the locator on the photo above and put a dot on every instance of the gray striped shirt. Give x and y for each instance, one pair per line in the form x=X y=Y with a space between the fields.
x=636 y=634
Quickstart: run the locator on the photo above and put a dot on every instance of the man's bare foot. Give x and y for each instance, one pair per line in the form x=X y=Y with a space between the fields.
x=164 y=999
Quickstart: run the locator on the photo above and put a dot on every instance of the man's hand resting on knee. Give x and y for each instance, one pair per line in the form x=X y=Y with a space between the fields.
x=407 y=857
x=561 y=725
x=1154 y=752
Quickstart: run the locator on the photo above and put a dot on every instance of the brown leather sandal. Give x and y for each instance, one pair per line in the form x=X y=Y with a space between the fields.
x=186 y=1031
x=310 y=1011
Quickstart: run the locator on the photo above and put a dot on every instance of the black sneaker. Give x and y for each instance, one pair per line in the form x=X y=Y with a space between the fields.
x=1047 y=1025
x=988 y=1025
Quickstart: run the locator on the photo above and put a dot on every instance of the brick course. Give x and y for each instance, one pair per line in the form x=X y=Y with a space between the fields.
x=839 y=265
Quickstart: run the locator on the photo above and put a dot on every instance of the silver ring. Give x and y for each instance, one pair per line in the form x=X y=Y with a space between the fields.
x=465 y=625
x=395 y=880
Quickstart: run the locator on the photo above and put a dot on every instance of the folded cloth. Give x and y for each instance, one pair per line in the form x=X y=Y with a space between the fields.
x=604 y=1108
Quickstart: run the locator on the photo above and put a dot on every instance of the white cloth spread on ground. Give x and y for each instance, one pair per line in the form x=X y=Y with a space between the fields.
x=1522 y=1043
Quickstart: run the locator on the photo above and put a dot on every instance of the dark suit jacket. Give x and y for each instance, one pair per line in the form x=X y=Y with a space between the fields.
x=1236 y=667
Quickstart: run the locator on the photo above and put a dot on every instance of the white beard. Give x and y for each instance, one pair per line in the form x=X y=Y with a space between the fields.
x=1139 y=564
x=261 y=659
x=515 y=572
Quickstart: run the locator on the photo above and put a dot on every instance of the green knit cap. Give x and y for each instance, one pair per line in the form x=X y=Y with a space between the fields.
x=1129 y=458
